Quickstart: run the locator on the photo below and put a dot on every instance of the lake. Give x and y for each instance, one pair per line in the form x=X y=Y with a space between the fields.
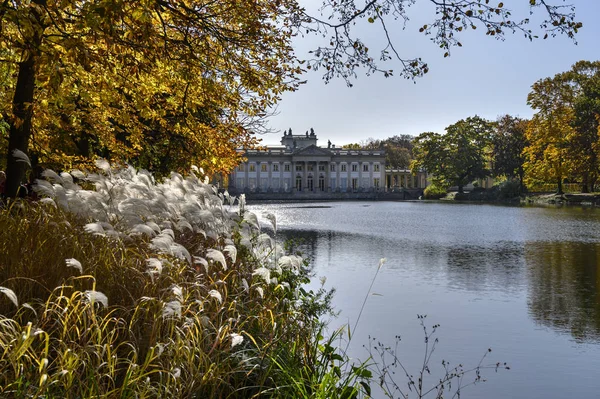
x=523 y=281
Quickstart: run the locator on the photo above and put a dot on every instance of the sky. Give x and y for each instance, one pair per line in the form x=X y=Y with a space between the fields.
x=484 y=77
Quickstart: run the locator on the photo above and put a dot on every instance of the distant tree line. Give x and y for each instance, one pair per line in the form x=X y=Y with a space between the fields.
x=561 y=142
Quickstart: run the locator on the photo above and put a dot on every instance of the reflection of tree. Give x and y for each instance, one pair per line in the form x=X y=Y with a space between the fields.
x=301 y=242
x=476 y=268
x=564 y=281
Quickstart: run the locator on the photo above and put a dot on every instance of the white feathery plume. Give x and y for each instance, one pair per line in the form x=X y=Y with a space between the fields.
x=48 y=201
x=260 y=291
x=103 y=164
x=155 y=267
x=162 y=242
x=10 y=294
x=198 y=260
x=172 y=309
x=242 y=203
x=183 y=225
x=20 y=156
x=264 y=273
x=251 y=219
x=52 y=176
x=178 y=292
x=143 y=229
x=77 y=174
x=181 y=252
x=154 y=227
x=74 y=263
x=265 y=240
x=231 y=251
x=43 y=187
x=236 y=339
x=217 y=256
x=61 y=196
x=96 y=296
x=94 y=228
x=216 y=294
x=271 y=218
x=245 y=285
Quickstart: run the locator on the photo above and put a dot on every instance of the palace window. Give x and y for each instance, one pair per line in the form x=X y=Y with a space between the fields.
x=240 y=167
x=343 y=167
x=298 y=168
x=275 y=167
x=355 y=184
x=365 y=167
x=321 y=168
x=286 y=167
x=263 y=167
x=354 y=168
x=376 y=167
x=332 y=167
x=252 y=167
x=310 y=168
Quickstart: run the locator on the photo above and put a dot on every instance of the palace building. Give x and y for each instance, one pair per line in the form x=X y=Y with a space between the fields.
x=299 y=165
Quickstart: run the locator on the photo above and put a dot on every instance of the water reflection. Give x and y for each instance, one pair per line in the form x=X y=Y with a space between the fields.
x=564 y=281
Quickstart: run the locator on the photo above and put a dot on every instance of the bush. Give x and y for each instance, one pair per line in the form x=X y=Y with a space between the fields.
x=435 y=191
x=509 y=189
x=139 y=289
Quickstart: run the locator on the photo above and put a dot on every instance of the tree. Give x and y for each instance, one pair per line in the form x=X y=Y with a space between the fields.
x=107 y=75
x=120 y=79
x=398 y=150
x=508 y=142
x=550 y=131
x=459 y=156
x=430 y=154
x=584 y=78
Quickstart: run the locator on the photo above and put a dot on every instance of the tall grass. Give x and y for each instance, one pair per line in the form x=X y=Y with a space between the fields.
x=125 y=287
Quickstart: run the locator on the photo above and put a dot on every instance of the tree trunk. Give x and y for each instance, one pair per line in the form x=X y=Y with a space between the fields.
x=22 y=106
x=560 y=188
x=521 y=184
x=460 y=189
x=20 y=126
x=585 y=184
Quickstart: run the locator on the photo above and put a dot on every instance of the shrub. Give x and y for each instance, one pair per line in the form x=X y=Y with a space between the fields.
x=434 y=191
x=139 y=289
x=509 y=189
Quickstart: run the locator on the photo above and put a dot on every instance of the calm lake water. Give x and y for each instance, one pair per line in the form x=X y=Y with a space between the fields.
x=523 y=281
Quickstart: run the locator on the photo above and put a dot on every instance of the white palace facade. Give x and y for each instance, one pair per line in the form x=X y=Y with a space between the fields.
x=299 y=165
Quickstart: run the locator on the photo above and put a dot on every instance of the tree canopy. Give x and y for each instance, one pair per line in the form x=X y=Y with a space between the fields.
x=563 y=134
x=507 y=143
x=457 y=157
x=163 y=83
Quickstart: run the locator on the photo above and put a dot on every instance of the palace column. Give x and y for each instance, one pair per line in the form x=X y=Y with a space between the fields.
x=337 y=176
x=349 y=181
x=270 y=173
x=305 y=177
x=247 y=176
x=293 y=173
x=327 y=177
x=371 y=175
x=360 y=171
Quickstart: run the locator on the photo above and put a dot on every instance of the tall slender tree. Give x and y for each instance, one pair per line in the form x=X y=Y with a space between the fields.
x=507 y=144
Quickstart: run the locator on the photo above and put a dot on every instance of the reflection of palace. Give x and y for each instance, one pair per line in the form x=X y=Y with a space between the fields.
x=299 y=165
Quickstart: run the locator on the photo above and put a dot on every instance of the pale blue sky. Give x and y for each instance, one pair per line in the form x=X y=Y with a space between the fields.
x=486 y=77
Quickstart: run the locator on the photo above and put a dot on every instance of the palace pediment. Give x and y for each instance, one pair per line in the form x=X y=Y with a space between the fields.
x=312 y=151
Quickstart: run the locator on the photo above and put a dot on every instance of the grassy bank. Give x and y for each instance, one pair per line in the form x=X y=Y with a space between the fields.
x=116 y=286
